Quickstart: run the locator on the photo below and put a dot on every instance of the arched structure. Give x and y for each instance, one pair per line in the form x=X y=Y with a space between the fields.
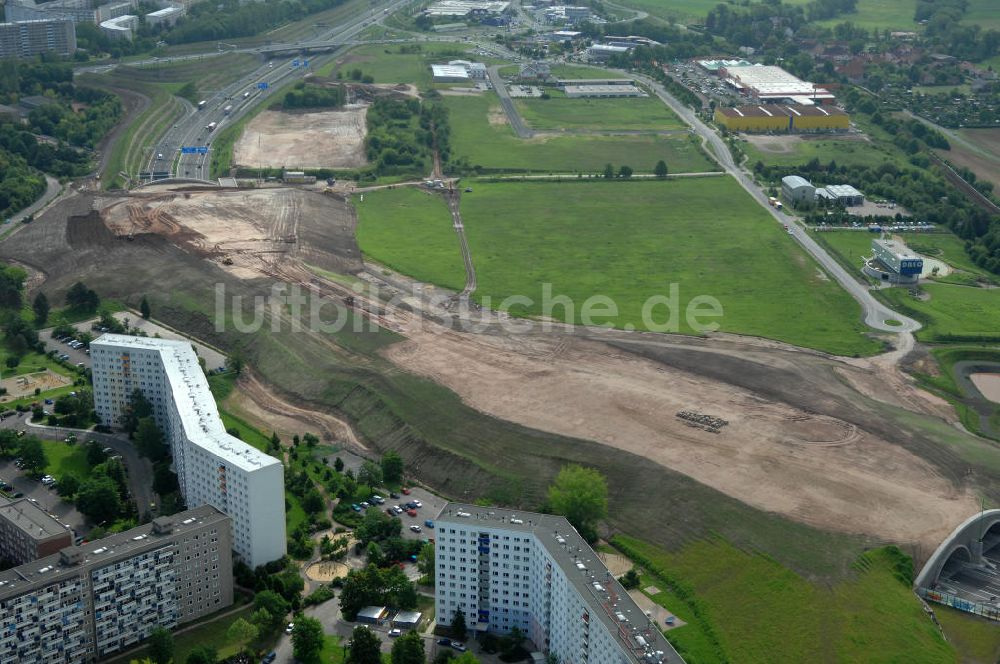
x=962 y=550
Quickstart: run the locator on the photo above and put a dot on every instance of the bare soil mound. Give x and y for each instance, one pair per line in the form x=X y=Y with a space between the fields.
x=322 y=139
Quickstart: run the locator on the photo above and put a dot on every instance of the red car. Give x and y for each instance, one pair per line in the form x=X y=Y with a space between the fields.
x=411 y=512
x=406 y=492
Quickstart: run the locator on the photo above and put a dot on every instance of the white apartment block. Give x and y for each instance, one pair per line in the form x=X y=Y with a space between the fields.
x=213 y=468
x=504 y=569
x=88 y=602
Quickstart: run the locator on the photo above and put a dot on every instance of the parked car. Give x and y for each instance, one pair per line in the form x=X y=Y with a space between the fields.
x=365 y=505
x=393 y=633
x=291 y=626
x=460 y=647
x=429 y=523
x=417 y=504
x=406 y=492
x=411 y=512
x=415 y=528
x=389 y=511
x=356 y=507
x=393 y=495
x=269 y=657
x=397 y=510
x=444 y=642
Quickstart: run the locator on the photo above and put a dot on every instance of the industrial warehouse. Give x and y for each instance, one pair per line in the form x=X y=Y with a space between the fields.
x=894 y=263
x=782 y=118
x=765 y=83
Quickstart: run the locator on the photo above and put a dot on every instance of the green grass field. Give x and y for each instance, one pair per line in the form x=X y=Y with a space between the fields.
x=750 y=609
x=65 y=459
x=394 y=222
x=984 y=13
x=951 y=311
x=386 y=64
x=792 y=151
x=481 y=134
x=631 y=241
x=977 y=640
x=881 y=14
x=563 y=113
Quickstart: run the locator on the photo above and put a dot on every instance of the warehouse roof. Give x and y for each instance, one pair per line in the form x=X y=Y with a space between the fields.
x=794 y=181
x=771 y=81
x=449 y=71
x=602 y=90
x=772 y=110
x=843 y=190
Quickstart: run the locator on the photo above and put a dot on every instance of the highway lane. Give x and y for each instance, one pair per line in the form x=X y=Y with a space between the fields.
x=875 y=313
x=192 y=129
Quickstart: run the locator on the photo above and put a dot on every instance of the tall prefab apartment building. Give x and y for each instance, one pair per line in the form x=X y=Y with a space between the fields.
x=88 y=602
x=504 y=569
x=213 y=467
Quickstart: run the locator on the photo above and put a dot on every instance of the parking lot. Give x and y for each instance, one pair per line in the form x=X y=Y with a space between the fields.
x=44 y=497
x=213 y=358
x=431 y=505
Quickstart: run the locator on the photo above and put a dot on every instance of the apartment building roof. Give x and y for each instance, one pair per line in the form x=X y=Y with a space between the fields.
x=69 y=561
x=595 y=584
x=31 y=519
x=195 y=403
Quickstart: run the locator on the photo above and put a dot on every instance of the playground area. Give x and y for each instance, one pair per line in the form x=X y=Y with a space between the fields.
x=25 y=385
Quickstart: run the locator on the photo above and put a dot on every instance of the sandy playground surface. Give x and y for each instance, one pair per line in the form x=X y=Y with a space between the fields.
x=25 y=385
x=326 y=571
x=325 y=139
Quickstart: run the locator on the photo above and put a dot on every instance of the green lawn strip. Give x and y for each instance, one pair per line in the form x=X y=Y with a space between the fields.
x=410 y=230
x=952 y=313
x=755 y=610
x=386 y=64
x=481 y=135
x=631 y=241
x=565 y=113
x=844 y=151
x=694 y=640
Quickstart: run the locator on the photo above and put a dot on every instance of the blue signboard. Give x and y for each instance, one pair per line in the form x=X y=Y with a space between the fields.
x=305 y=63
x=262 y=86
x=195 y=149
x=295 y=63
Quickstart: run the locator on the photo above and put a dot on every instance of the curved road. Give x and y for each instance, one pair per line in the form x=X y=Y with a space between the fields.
x=875 y=313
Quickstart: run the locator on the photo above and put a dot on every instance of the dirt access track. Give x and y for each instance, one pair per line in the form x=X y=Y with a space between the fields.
x=821 y=440
x=323 y=139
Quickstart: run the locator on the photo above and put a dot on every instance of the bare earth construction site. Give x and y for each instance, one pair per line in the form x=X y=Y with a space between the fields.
x=320 y=139
x=804 y=439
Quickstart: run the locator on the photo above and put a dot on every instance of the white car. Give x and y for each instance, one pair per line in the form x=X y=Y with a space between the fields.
x=415 y=528
x=393 y=633
x=291 y=626
x=418 y=503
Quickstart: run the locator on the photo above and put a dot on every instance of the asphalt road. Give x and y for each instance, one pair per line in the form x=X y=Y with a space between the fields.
x=52 y=189
x=516 y=121
x=875 y=313
x=242 y=96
